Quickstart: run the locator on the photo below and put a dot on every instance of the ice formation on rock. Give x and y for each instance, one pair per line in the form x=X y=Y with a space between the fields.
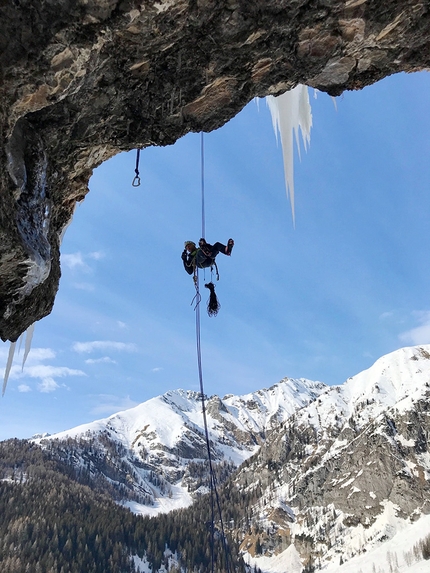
x=291 y=111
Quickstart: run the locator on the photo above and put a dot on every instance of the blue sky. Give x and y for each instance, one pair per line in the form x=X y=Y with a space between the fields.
x=321 y=301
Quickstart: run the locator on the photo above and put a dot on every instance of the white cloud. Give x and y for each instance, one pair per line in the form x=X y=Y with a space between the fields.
x=121 y=324
x=157 y=369
x=24 y=388
x=105 y=359
x=36 y=354
x=46 y=371
x=84 y=286
x=47 y=385
x=386 y=315
x=79 y=261
x=87 y=347
x=96 y=255
x=109 y=404
x=73 y=260
x=420 y=334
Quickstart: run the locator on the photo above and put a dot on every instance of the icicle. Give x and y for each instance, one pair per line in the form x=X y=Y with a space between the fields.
x=28 y=339
x=8 y=365
x=291 y=111
x=20 y=342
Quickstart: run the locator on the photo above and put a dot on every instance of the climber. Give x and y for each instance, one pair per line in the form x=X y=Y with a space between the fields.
x=204 y=255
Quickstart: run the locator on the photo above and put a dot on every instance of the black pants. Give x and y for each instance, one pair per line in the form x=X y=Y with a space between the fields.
x=204 y=260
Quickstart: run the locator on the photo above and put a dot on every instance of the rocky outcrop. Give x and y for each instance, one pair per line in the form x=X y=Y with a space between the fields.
x=337 y=466
x=82 y=80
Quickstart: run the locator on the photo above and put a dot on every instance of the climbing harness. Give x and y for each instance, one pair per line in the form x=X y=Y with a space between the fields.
x=213 y=483
x=136 y=180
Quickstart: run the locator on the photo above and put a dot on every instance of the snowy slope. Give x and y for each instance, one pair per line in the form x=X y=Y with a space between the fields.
x=396 y=555
x=397 y=379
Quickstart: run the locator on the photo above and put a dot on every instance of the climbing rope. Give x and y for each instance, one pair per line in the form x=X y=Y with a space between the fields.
x=202 y=164
x=213 y=484
x=136 y=180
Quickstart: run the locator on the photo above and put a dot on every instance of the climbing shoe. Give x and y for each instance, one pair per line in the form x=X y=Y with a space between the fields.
x=229 y=247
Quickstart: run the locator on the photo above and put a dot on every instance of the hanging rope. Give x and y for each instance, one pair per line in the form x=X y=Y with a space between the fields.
x=202 y=161
x=136 y=180
x=213 y=484
x=205 y=423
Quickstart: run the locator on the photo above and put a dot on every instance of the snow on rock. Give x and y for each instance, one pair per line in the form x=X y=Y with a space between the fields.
x=174 y=416
x=288 y=561
x=396 y=380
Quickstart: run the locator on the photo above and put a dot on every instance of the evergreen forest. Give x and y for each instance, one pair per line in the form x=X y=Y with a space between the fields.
x=52 y=523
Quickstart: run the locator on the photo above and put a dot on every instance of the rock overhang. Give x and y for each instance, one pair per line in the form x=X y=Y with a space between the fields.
x=86 y=79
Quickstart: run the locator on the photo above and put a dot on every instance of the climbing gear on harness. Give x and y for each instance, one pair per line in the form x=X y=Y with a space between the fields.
x=214 y=265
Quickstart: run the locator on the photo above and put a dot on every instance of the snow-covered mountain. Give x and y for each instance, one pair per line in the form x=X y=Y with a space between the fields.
x=336 y=477
x=155 y=454
x=347 y=471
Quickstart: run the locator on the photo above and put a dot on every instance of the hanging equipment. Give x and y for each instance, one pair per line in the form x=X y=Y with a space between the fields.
x=213 y=302
x=136 y=180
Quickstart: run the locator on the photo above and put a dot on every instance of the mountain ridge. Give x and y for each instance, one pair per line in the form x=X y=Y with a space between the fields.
x=165 y=436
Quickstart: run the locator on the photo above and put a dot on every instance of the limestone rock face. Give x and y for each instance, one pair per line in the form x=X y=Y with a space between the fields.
x=84 y=79
x=345 y=461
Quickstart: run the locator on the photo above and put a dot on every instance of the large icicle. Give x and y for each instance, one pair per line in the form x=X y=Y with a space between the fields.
x=291 y=111
x=28 y=338
x=8 y=365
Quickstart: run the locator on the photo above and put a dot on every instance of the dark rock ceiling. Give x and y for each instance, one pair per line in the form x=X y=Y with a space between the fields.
x=82 y=80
